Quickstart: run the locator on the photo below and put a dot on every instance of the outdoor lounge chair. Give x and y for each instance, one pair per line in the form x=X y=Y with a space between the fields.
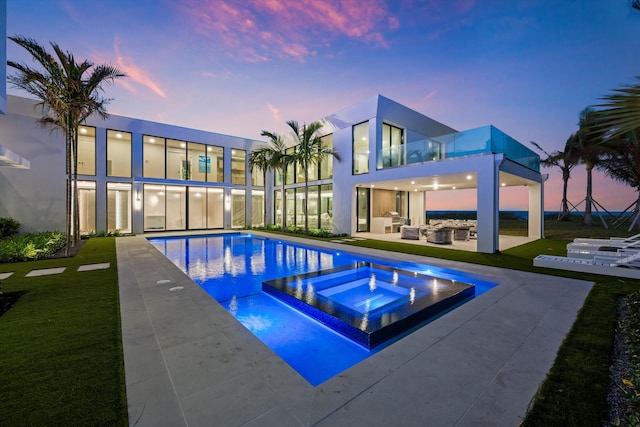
x=612 y=240
x=443 y=236
x=597 y=265
x=409 y=232
x=603 y=245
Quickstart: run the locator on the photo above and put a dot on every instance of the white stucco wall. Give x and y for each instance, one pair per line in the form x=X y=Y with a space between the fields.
x=36 y=196
x=3 y=57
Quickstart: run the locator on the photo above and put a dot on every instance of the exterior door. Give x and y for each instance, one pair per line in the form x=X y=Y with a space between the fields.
x=362 y=208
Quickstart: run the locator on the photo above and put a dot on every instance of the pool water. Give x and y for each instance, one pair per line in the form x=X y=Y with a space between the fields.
x=232 y=268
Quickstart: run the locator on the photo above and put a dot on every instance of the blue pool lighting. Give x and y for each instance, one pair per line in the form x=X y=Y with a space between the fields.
x=274 y=288
x=369 y=303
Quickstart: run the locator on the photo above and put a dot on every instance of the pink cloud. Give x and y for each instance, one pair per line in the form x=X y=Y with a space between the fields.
x=275 y=112
x=134 y=73
x=257 y=30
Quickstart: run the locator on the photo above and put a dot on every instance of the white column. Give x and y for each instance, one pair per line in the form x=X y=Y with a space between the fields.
x=488 y=203
x=536 y=210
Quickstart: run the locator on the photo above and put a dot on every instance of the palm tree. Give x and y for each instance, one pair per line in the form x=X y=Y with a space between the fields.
x=621 y=113
x=589 y=140
x=621 y=161
x=276 y=158
x=566 y=160
x=309 y=152
x=69 y=93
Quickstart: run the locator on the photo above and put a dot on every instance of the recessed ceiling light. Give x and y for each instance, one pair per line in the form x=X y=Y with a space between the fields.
x=395 y=188
x=372 y=185
x=118 y=135
x=503 y=184
x=469 y=176
x=453 y=188
x=152 y=140
x=83 y=130
x=413 y=182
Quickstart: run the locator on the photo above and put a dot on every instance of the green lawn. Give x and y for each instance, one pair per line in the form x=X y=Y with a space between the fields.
x=61 y=349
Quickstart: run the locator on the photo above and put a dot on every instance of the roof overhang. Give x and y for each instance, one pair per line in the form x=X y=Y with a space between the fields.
x=10 y=159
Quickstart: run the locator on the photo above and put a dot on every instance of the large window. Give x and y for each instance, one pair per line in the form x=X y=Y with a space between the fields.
x=215 y=164
x=176 y=207
x=119 y=207
x=257 y=208
x=238 y=166
x=290 y=207
x=392 y=146
x=257 y=177
x=362 y=208
x=197 y=208
x=118 y=153
x=238 y=210
x=312 y=207
x=215 y=208
x=300 y=207
x=197 y=161
x=153 y=155
x=361 y=148
x=177 y=165
x=87 y=206
x=278 y=207
x=290 y=176
x=86 y=150
x=154 y=207
x=326 y=166
x=326 y=207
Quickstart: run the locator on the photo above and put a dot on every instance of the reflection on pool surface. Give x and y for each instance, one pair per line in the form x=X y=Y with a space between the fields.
x=369 y=303
x=232 y=268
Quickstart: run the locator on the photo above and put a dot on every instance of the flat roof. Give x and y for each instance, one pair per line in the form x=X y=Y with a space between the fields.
x=10 y=159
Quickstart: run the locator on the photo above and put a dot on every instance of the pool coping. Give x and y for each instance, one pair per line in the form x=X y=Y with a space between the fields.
x=189 y=362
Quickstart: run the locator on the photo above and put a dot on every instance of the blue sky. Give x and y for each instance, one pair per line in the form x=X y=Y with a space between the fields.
x=240 y=66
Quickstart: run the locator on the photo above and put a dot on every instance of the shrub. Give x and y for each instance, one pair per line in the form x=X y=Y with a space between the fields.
x=102 y=233
x=29 y=247
x=9 y=227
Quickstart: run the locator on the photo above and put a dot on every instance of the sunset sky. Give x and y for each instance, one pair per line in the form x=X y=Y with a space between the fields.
x=240 y=66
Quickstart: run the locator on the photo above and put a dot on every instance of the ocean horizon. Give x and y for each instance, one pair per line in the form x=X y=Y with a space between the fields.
x=471 y=214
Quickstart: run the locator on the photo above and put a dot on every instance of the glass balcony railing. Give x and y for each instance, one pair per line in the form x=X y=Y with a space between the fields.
x=487 y=139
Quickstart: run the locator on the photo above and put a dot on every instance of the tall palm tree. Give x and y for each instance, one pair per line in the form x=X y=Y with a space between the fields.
x=621 y=113
x=566 y=160
x=276 y=158
x=621 y=161
x=589 y=140
x=69 y=92
x=309 y=152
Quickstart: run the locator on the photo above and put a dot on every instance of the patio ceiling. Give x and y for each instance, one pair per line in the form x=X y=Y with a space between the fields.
x=456 y=181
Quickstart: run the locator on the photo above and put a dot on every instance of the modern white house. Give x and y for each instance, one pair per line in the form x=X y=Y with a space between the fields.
x=138 y=176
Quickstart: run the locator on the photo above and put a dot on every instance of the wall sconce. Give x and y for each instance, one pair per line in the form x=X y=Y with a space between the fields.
x=137 y=202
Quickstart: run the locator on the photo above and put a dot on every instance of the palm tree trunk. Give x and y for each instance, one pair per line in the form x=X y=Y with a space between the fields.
x=565 y=205
x=636 y=213
x=76 y=210
x=68 y=195
x=306 y=197
x=264 y=197
x=588 y=220
x=283 y=200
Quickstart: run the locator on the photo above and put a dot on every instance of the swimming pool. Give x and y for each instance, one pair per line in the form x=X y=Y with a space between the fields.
x=233 y=269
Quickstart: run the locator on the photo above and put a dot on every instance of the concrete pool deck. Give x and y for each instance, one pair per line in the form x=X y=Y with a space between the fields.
x=189 y=362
